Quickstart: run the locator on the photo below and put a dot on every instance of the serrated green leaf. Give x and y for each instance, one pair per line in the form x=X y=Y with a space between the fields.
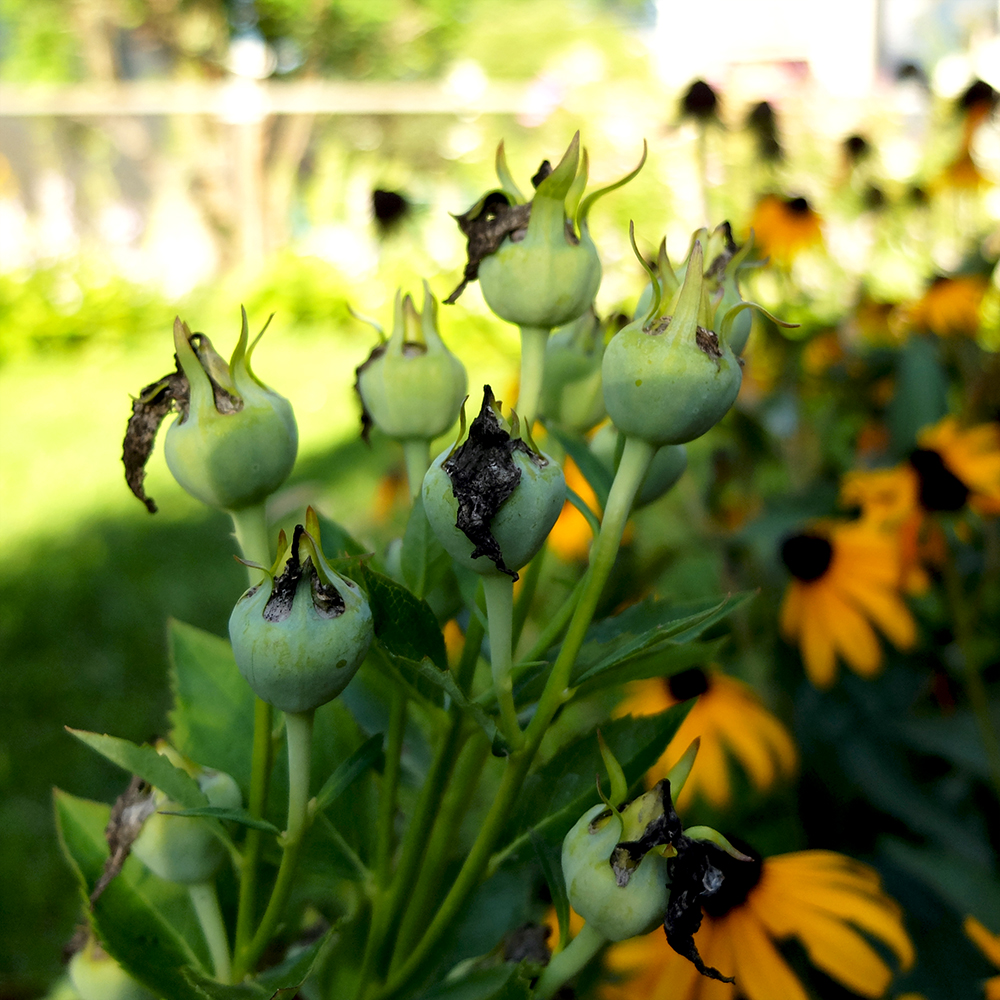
x=404 y=624
x=212 y=716
x=240 y=816
x=557 y=794
x=151 y=766
x=349 y=771
x=136 y=915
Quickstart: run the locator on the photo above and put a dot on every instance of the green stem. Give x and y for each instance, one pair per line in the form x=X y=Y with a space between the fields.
x=556 y=623
x=631 y=471
x=529 y=585
x=499 y=591
x=417 y=456
x=455 y=804
x=974 y=686
x=250 y=526
x=466 y=669
x=390 y=785
x=206 y=906
x=567 y=963
x=533 y=341
x=299 y=728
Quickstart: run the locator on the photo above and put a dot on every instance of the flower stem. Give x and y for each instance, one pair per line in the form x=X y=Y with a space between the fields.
x=529 y=584
x=299 y=728
x=533 y=341
x=631 y=472
x=390 y=785
x=568 y=962
x=206 y=906
x=417 y=456
x=499 y=591
x=975 y=689
x=250 y=525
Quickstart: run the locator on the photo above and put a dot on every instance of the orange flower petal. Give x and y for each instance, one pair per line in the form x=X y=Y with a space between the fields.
x=761 y=972
x=986 y=942
x=816 y=639
x=886 y=609
x=853 y=636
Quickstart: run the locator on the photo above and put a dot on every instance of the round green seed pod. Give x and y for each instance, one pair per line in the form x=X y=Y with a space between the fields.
x=572 y=395
x=299 y=638
x=95 y=975
x=668 y=465
x=617 y=912
x=184 y=848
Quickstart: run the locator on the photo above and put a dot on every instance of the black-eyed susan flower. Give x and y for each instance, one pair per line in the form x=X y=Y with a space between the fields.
x=784 y=227
x=989 y=945
x=828 y=902
x=732 y=724
x=845 y=582
x=950 y=307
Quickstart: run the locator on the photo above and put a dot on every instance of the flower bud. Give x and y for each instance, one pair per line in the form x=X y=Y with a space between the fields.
x=572 y=395
x=300 y=636
x=95 y=975
x=235 y=440
x=411 y=386
x=670 y=376
x=494 y=495
x=668 y=465
x=536 y=262
x=185 y=848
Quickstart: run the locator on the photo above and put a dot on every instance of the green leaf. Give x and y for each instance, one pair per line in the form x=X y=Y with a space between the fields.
x=349 y=771
x=212 y=718
x=557 y=794
x=550 y=858
x=337 y=542
x=424 y=562
x=921 y=393
x=148 y=764
x=240 y=816
x=597 y=474
x=404 y=624
x=136 y=915
x=502 y=982
x=295 y=970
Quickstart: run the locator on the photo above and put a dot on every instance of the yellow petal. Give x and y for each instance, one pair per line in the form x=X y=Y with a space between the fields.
x=761 y=972
x=751 y=751
x=884 y=607
x=992 y=987
x=816 y=641
x=791 y=610
x=853 y=636
x=987 y=943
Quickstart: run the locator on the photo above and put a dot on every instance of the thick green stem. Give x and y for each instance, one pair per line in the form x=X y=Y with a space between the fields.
x=631 y=472
x=250 y=527
x=206 y=906
x=529 y=585
x=566 y=964
x=533 y=341
x=299 y=728
x=974 y=686
x=455 y=804
x=499 y=591
x=390 y=786
x=417 y=456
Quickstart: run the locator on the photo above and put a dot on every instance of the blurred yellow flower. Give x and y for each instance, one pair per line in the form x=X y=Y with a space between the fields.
x=827 y=901
x=784 y=227
x=571 y=535
x=845 y=581
x=731 y=722
x=989 y=945
x=951 y=306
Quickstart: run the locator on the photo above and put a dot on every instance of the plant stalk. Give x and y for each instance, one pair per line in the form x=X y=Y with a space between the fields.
x=533 y=341
x=417 y=456
x=205 y=900
x=499 y=591
x=567 y=963
x=390 y=786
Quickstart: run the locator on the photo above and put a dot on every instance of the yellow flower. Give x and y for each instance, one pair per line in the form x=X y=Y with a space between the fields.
x=571 y=535
x=961 y=174
x=846 y=579
x=731 y=722
x=971 y=456
x=989 y=945
x=784 y=227
x=827 y=901
x=950 y=306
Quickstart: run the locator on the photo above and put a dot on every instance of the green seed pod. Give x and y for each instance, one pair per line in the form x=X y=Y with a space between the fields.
x=536 y=262
x=572 y=395
x=300 y=636
x=618 y=911
x=411 y=386
x=668 y=465
x=184 y=848
x=95 y=975
x=494 y=495
x=670 y=377
x=235 y=440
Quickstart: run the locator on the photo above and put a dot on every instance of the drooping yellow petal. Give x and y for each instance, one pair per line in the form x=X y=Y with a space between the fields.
x=761 y=972
x=715 y=945
x=710 y=774
x=992 y=987
x=779 y=740
x=986 y=942
x=816 y=640
x=884 y=607
x=750 y=749
x=791 y=611
x=853 y=636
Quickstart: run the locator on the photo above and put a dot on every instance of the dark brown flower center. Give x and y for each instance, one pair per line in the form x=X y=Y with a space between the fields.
x=807 y=556
x=798 y=206
x=739 y=879
x=700 y=101
x=940 y=488
x=687 y=684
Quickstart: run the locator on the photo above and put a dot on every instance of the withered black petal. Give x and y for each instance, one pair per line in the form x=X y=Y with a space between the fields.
x=148 y=412
x=367 y=423
x=327 y=600
x=485 y=226
x=483 y=475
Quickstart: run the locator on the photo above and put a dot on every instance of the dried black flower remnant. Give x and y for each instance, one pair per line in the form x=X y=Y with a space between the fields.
x=483 y=475
x=131 y=810
x=327 y=600
x=389 y=208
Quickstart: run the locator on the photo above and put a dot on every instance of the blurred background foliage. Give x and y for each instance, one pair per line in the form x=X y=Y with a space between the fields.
x=114 y=223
